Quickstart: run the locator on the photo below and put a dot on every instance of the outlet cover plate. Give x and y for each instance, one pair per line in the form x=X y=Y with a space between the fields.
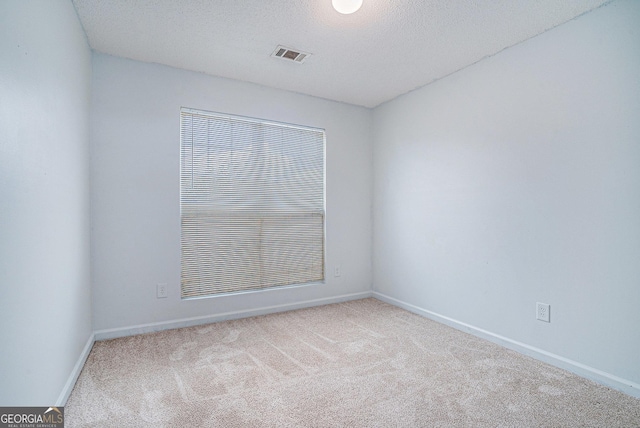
x=542 y=312
x=161 y=291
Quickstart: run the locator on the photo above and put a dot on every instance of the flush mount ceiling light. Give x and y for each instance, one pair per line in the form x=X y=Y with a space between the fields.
x=346 y=6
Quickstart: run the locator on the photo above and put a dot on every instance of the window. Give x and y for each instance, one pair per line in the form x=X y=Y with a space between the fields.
x=251 y=204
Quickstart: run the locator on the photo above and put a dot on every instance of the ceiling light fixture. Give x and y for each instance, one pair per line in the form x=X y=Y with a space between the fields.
x=346 y=7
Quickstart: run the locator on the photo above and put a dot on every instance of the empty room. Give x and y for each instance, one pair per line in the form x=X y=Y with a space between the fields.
x=320 y=213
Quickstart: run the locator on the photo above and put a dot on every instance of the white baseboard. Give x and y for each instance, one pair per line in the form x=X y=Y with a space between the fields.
x=73 y=377
x=607 y=379
x=208 y=319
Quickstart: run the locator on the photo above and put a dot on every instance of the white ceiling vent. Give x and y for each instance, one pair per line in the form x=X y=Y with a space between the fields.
x=294 y=55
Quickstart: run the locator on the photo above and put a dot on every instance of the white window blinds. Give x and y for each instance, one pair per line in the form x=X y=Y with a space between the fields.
x=251 y=204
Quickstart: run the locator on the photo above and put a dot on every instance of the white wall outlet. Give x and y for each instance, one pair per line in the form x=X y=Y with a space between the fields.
x=542 y=312
x=161 y=291
x=337 y=270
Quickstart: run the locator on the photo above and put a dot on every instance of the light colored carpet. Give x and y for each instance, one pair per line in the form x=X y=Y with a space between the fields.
x=356 y=364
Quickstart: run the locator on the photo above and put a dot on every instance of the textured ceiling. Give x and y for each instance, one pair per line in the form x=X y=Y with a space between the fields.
x=387 y=48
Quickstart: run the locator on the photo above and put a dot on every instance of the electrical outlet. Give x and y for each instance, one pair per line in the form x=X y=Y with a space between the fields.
x=337 y=270
x=542 y=312
x=161 y=291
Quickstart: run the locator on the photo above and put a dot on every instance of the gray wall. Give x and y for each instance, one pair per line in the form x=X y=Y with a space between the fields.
x=516 y=181
x=136 y=196
x=45 y=301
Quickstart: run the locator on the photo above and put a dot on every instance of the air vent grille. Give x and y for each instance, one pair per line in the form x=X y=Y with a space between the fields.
x=289 y=54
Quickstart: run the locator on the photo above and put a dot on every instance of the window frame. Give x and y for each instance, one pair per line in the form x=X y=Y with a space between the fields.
x=253 y=120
